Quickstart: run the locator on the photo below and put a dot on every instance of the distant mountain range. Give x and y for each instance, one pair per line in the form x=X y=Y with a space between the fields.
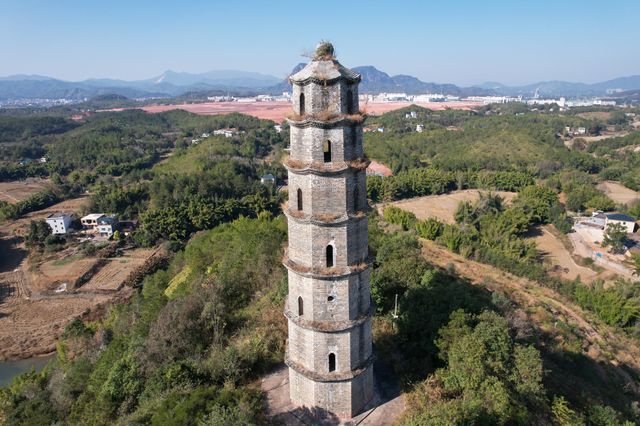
x=174 y=84
x=567 y=89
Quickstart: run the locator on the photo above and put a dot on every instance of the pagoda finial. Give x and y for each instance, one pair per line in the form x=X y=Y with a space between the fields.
x=324 y=51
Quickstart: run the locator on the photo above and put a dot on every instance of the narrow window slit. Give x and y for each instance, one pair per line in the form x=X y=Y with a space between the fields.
x=332 y=362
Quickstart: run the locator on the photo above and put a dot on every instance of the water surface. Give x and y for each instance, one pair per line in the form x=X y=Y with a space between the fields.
x=10 y=369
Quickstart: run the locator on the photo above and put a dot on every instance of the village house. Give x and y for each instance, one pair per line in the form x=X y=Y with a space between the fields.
x=227 y=133
x=626 y=221
x=90 y=221
x=603 y=220
x=107 y=225
x=59 y=223
x=127 y=226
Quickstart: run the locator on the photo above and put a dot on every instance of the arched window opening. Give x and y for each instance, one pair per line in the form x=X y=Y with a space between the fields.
x=332 y=362
x=301 y=103
x=326 y=149
x=354 y=135
x=329 y=256
x=349 y=102
x=299 y=196
x=300 y=307
x=330 y=299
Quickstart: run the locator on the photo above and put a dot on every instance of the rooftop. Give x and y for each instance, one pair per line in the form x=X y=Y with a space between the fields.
x=107 y=220
x=58 y=215
x=324 y=67
x=93 y=216
x=620 y=216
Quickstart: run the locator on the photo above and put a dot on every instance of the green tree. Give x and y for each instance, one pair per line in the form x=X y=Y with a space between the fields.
x=452 y=237
x=399 y=266
x=636 y=263
x=429 y=229
x=634 y=210
x=617 y=118
x=565 y=415
x=538 y=201
x=488 y=378
x=400 y=217
x=601 y=202
x=614 y=236
x=465 y=213
x=38 y=233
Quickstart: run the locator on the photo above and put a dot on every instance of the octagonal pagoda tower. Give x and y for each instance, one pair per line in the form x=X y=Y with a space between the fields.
x=329 y=352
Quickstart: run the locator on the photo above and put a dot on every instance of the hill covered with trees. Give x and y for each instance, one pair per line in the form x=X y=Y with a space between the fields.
x=191 y=344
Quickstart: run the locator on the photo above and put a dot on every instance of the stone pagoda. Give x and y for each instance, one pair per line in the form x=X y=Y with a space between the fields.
x=329 y=352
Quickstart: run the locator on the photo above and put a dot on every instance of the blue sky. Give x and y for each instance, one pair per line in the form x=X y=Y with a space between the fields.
x=462 y=42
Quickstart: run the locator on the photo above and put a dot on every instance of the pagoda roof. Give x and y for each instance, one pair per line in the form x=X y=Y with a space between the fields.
x=324 y=71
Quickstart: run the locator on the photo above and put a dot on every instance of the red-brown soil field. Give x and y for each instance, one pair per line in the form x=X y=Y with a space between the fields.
x=276 y=111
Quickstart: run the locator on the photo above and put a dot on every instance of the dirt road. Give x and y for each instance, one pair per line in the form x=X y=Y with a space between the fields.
x=583 y=249
x=559 y=258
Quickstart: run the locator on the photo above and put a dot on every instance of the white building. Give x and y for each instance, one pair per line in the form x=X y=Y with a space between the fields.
x=603 y=220
x=227 y=133
x=429 y=97
x=107 y=225
x=628 y=223
x=59 y=223
x=487 y=100
x=90 y=221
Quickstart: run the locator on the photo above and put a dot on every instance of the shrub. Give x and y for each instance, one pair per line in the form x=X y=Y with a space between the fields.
x=429 y=229
x=397 y=216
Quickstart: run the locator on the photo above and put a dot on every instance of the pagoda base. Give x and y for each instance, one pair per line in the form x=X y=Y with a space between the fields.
x=345 y=399
x=383 y=408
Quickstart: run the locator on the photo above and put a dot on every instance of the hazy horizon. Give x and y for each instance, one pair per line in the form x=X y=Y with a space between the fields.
x=462 y=42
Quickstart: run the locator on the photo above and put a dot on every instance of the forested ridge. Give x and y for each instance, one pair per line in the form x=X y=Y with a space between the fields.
x=191 y=344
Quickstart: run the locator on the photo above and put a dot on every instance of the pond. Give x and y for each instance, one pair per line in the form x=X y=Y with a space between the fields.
x=11 y=369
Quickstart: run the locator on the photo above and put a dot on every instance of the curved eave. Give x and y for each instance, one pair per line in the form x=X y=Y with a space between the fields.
x=327 y=274
x=323 y=81
x=328 y=377
x=327 y=326
x=309 y=169
x=357 y=165
x=338 y=221
x=309 y=121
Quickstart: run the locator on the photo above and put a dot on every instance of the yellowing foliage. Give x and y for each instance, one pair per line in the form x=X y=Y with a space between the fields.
x=177 y=282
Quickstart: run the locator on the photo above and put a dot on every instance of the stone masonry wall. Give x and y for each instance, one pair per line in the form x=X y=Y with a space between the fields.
x=311 y=349
x=328 y=195
x=334 y=316
x=339 y=299
x=345 y=399
x=308 y=244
